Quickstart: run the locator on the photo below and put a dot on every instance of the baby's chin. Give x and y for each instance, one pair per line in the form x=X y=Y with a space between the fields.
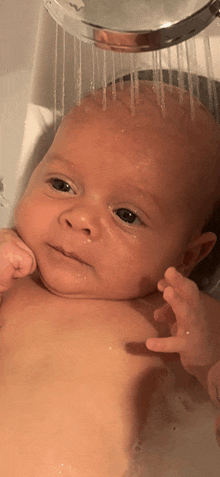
x=62 y=291
x=67 y=291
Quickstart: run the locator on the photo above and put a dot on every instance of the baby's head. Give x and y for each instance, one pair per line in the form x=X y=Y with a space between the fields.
x=125 y=194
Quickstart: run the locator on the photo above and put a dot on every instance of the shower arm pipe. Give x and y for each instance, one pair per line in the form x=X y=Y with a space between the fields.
x=165 y=36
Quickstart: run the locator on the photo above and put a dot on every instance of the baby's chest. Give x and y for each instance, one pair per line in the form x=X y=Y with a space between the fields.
x=45 y=344
x=54 y=387
x=45 y=339
x=65 y=372
x=34 y=353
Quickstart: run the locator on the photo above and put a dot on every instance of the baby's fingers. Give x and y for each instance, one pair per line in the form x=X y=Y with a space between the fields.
x=16 y=261
x=166 y=345
x=180 y=307
x=214 y=383
x=165 y=313
x=187 y=315
x=24 y=262
x=185 y=287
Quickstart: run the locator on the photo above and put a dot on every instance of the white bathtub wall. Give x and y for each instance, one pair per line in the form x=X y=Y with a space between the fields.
x=18 y=28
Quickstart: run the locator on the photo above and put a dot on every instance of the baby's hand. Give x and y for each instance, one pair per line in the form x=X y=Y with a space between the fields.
x=190 y=333
x=214 y=383
x=16 y=259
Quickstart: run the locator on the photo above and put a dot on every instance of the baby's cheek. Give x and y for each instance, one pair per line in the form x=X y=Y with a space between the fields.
x=24 y=220
x=19 y=214
x=22 y=208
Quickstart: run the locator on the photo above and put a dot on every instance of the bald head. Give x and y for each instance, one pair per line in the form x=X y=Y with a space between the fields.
x=146 y=106
x=187 y=151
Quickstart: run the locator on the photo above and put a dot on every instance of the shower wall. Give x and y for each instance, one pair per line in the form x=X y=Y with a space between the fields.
x=18 y=30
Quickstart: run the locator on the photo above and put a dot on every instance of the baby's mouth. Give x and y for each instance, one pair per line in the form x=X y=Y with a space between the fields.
x=74 y=256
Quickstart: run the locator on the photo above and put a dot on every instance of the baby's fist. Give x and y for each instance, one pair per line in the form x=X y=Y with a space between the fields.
x=16 y=259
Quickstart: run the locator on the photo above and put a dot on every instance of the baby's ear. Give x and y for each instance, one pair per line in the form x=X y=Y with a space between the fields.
x=197 y=250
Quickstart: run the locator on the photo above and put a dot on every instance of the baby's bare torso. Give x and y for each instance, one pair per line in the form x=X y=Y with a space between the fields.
x=76 y=381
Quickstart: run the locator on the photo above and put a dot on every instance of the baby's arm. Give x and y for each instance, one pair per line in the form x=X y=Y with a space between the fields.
x=194 y=319
x=16 y=259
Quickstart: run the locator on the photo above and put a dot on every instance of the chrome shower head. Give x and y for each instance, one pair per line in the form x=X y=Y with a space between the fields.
x=133 y=25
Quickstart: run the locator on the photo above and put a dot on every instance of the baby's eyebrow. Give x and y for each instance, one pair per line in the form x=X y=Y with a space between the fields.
x=60 y=158
x=140 y=191
x=145 y=194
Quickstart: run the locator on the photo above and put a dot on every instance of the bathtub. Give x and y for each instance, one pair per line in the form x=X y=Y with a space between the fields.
x=27 y=113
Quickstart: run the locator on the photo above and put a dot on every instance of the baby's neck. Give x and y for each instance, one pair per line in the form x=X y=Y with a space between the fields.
x=152 y=297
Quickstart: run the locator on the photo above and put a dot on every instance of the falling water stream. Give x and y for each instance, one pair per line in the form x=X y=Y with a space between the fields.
x=113 y=77
x=213 y=101
x=104 y=82
x=182 y=57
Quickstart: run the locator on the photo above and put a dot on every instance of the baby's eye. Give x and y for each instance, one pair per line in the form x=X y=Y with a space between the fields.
x=127 y=216
x=60 y=185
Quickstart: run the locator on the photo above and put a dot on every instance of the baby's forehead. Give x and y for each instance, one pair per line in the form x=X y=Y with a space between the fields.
x=147 y=116
x=174 y=142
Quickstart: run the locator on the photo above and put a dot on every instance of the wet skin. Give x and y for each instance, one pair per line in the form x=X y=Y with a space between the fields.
x=115 y=190
x=105 y=214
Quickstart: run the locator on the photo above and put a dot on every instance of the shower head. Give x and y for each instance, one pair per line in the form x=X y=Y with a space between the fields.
x=133 y=25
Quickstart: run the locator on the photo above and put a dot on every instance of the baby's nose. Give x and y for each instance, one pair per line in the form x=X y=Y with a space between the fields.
x=84 y=222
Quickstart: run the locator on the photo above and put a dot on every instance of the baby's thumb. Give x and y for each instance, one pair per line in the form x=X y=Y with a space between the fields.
x=28 y=264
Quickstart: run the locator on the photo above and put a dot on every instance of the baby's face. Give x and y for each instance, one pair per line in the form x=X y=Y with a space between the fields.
x=110 y=194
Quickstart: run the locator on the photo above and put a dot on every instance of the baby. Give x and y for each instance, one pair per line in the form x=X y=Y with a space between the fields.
x=118 y=201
